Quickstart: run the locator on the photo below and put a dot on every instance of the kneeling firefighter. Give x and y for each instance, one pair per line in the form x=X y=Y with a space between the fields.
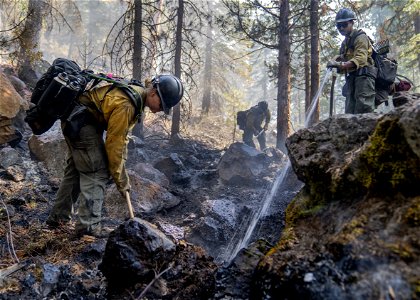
x=91 y=160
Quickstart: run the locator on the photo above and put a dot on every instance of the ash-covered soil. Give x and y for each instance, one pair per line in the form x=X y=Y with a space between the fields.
x=37 y=262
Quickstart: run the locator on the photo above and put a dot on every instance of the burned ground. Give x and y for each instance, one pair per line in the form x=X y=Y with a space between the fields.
x=55 y=263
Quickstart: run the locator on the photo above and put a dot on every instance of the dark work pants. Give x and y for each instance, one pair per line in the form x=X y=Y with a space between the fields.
x=85 y=176
x=360 y=94
x=248 y=139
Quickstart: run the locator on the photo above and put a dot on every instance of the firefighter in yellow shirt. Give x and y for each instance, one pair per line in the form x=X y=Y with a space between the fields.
x=91 y=159
x=355 y=61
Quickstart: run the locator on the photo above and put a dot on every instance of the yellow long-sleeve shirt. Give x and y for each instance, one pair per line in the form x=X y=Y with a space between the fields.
x=360 y=53
x=115 y=113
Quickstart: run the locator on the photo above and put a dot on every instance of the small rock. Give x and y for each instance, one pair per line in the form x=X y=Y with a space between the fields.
x=51 y=275
x=9 y=213
x=9 y=157
x=170 y=165
x=16 y=173
x=224 y=209
x=173 y=231
x=309 y=277
x=135 y=142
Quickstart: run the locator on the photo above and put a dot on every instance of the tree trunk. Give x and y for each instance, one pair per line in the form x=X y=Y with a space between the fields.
x=207 y=82
x=265 y=77
x=417 y=31
x=155 y=37
x=176 y=119
x=299 y=103
x=137 y=47
x=138 y=40
x=307 y=73
x=283 y=77
x=29 y=42
x=314 y=28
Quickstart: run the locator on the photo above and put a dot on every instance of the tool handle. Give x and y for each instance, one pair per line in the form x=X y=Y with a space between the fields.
x=260 y=133
x=130 y=208
x=332 y=106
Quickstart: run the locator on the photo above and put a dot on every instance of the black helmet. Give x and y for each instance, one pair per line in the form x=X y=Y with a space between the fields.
x=344 y=15
x=263 y=105
x=170 y=90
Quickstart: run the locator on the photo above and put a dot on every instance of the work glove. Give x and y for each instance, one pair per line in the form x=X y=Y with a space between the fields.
x=339 y=58
x=123 y=192
x=333 y=64
x=124 y=186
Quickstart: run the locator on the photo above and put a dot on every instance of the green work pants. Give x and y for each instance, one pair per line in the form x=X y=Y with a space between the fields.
x=360 y=94
x=382 y=95
x=248 y=138
x=85 y=176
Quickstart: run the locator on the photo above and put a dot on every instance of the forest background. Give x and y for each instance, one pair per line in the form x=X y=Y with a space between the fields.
x=229 y=54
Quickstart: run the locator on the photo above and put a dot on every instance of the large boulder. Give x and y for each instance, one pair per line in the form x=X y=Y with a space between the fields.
x=17 y=83
x=11 y=107
x=352 y=232
x=51 y=149
x=401 y=98
x=132 y=252
x=171 y=166
x=136 y=252
x=241 y=164
x=348 y=155
x=10 y=100
x=319 y=152
x=217 y=224
x=147 y=197
x=147 y=171
x=31 y=73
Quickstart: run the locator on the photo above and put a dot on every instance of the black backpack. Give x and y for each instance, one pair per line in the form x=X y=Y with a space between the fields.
x=241 y=116
x=387 y=68
x=55 y=94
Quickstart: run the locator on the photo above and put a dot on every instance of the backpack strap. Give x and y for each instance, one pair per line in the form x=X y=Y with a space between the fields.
x=134 y=96
x=124 y=85
x=349 y=44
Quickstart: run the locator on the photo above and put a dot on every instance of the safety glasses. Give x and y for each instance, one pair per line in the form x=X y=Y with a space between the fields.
x=342 y=25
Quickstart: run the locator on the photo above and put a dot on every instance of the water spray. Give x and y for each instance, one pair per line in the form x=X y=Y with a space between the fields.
x=269 y=196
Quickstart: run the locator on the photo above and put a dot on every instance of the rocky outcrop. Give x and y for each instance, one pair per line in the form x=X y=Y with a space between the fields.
x=147 y=197
x=11 y=101
x=336 y=159
x=51 y=149
x=170 y=166
x=147 y=171
x=9 y=157
x=241 y=164
x=138 y=254
x=352 y=232
x=320 y=153
x=234 y=281
x=402 y=98
x=11 y=106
